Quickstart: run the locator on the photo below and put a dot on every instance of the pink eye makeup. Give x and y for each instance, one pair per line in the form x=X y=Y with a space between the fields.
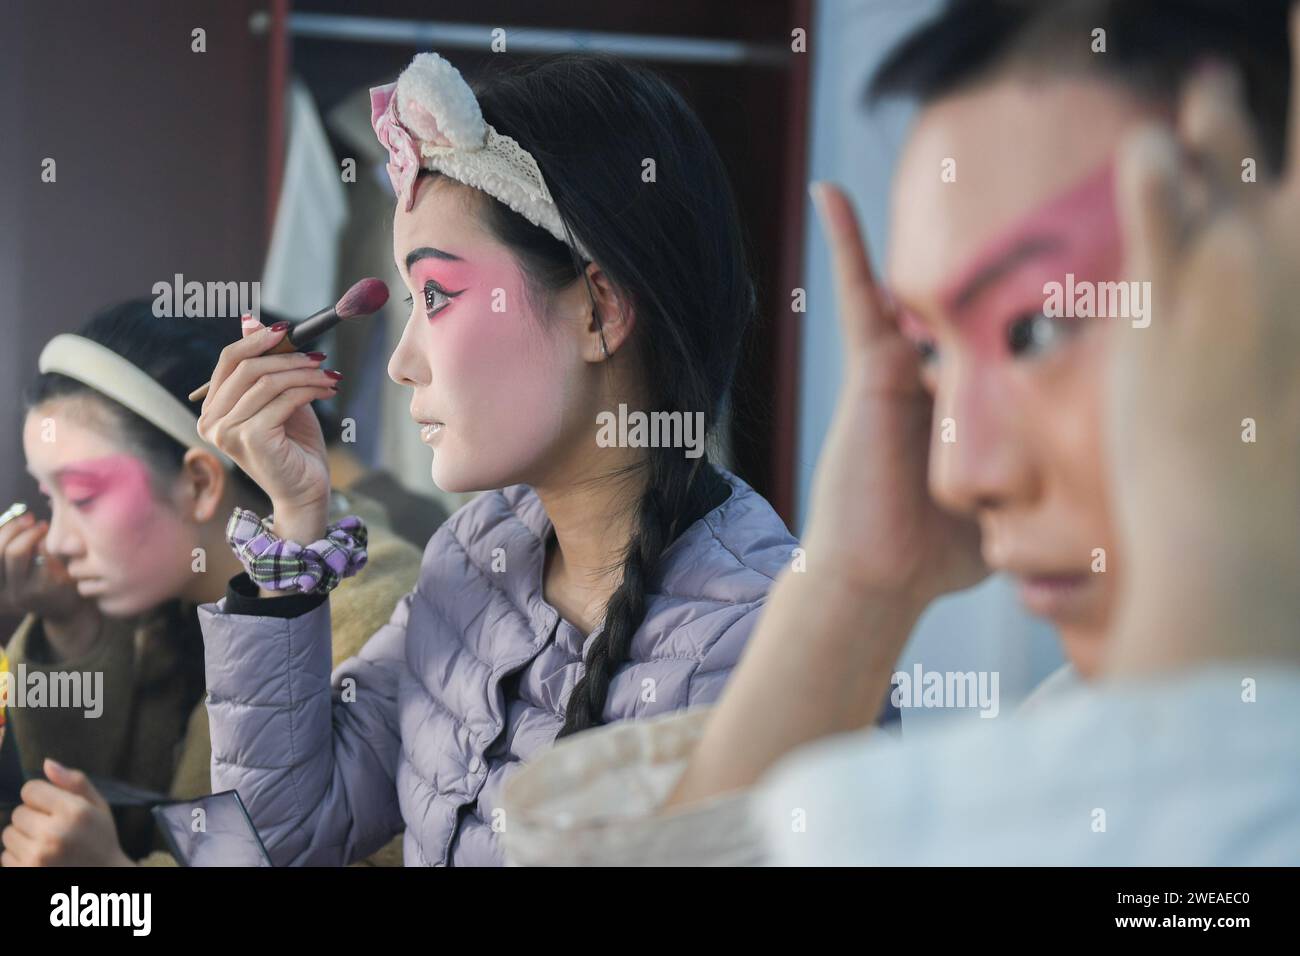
x=80 y=488
x=439 y=276
x=120 y=481
x=996 y=303
x=435 y=297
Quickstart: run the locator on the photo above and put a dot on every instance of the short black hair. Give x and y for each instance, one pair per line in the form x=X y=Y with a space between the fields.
x=1152 y=47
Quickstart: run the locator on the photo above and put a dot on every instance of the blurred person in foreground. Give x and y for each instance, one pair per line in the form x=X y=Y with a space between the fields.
x=1130 y=433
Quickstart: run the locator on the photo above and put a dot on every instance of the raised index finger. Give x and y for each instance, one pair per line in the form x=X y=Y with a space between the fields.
x=247 y=347
x=861 y=308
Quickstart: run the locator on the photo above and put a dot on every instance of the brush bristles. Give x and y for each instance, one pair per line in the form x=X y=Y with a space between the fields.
x=366 y=297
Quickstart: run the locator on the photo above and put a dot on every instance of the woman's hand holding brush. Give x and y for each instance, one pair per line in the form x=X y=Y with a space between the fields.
x=258 y=411
x=364 y=298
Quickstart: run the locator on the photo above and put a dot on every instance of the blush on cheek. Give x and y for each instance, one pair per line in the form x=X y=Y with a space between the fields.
x=125 y=506
x=133 y=536
x=504 y=385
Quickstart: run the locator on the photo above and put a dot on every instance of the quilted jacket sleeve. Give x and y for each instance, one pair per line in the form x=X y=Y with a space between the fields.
x=314 y=758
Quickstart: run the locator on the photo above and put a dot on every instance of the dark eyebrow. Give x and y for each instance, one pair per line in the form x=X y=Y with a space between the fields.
x=990 y=273
x=428 y=252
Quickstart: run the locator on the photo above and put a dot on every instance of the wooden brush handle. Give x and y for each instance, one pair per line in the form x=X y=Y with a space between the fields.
x=284 y=345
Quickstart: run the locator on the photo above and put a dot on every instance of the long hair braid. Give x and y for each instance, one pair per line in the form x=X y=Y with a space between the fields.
x=677 y=492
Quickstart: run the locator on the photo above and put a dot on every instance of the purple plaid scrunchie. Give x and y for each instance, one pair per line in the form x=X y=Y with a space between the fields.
x=279 y=565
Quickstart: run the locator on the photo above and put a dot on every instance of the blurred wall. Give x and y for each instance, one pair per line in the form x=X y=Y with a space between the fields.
x=160 y=165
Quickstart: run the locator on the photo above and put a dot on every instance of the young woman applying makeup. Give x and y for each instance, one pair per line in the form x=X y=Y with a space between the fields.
x=111 y=582
x=551 y=281
x=1062 y=448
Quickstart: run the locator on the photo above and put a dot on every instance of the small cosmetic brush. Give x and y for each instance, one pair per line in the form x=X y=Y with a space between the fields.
x=365 y=298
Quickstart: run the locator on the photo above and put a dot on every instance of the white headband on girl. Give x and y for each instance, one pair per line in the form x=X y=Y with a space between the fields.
x=430 y=119
x=113 y=376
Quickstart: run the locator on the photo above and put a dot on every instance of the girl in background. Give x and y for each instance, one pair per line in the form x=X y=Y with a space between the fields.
x=111 y=582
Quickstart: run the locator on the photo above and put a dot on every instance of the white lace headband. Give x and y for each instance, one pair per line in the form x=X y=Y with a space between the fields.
x=430 y=119
x=109 y=374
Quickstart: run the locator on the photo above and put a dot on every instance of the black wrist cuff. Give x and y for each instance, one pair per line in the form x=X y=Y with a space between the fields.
x=242 y=598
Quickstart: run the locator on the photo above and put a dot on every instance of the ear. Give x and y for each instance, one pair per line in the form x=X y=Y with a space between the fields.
x=606 y=328
x=203 y=484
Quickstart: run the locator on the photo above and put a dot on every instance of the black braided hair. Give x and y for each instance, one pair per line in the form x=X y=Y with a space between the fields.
x=672 y=248
x=677 y=493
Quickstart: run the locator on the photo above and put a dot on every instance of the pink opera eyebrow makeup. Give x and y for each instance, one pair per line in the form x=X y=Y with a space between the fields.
x=118 y=485
x=446 y=269
x=452 y=279
x=1077 y=232
x=1080 y=220
x=120 y=481
x=450 y=275
x=77 y=483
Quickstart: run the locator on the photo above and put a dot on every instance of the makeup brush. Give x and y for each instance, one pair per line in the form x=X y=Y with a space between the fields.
x=365 y=298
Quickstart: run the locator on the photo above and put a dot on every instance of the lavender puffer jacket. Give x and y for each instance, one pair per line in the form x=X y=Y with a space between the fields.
x=469 y=678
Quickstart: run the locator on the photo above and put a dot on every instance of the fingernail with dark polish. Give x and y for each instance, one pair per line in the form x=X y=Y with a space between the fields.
x=279 y=326
x=316 y=356
x=334 y=373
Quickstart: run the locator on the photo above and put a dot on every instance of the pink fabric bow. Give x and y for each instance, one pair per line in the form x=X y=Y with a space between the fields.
x=403 y=159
